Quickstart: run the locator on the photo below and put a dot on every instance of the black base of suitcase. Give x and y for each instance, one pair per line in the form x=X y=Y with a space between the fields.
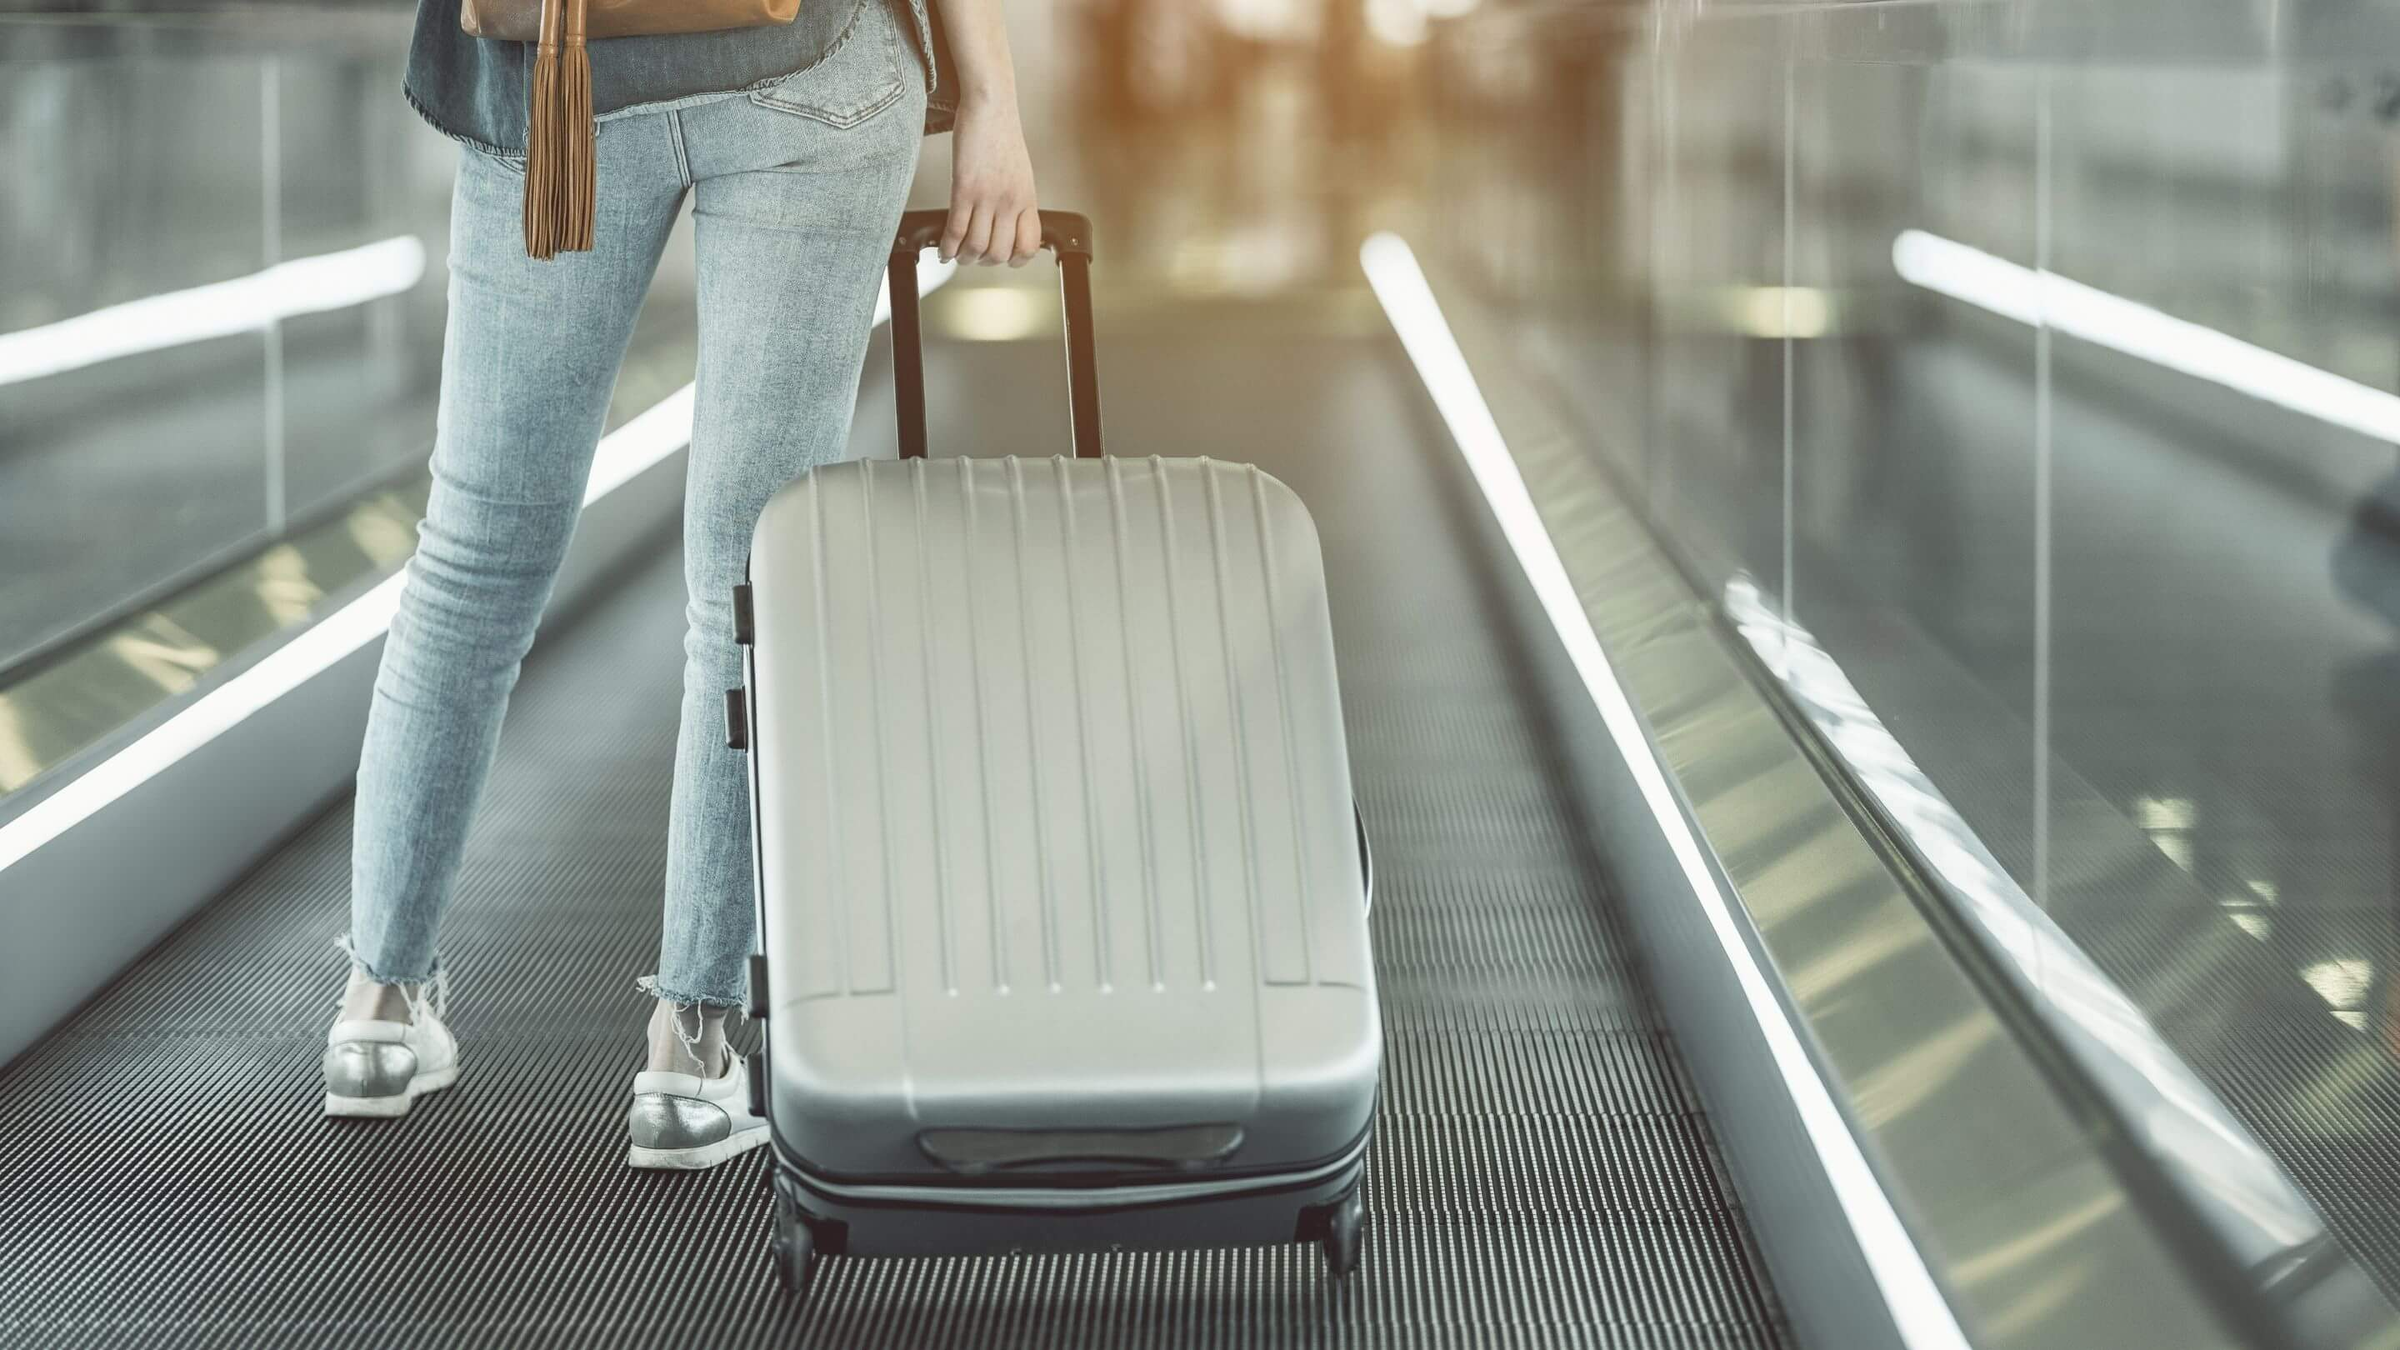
x=1328 y=1211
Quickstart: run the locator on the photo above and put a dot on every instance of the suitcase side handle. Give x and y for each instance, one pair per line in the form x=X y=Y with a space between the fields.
x=1064 y=233
x=1182 y=1147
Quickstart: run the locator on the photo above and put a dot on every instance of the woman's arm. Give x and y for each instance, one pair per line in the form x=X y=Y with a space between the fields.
x=993 y=215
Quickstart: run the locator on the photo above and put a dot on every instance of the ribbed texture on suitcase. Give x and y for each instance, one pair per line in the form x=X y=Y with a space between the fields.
x=1065 y=726
x=1054 y=809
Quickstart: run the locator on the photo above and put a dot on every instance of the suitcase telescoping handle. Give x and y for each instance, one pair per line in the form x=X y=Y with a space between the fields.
x=1064 y=233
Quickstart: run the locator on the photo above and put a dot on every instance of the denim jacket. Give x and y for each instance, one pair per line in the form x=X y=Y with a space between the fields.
x=474 y=89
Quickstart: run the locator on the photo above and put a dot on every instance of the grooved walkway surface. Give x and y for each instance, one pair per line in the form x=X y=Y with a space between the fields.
x=1542 y=1174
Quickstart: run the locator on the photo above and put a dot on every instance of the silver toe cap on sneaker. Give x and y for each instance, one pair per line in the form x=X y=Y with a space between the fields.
x=664 y=1120
x=368 y=1069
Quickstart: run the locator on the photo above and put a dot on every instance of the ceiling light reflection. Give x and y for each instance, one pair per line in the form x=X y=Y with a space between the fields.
x=220 y=309
x=2035 y=298
x=1400 y=23
x=2341 y=983
x=1780 y=311
x=996 y=314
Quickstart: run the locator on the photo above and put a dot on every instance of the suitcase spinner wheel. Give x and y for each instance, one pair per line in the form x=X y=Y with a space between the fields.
x=1345 y=1234
x=794 y=1247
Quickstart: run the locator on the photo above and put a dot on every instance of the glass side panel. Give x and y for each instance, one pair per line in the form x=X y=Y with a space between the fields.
x=232 y=357
x=2041 y=363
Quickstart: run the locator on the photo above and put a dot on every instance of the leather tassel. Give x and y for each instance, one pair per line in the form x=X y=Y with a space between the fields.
x=575 y=112
x=561 y=191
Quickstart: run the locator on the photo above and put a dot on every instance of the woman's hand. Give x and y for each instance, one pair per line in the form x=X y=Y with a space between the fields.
x=993 y=215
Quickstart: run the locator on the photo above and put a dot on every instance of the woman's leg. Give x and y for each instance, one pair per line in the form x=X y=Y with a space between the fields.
x=528 y=362
x=795 y=213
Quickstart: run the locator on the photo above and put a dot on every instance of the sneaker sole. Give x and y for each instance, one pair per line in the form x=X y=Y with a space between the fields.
x=385 y=1108
x=693 y=1159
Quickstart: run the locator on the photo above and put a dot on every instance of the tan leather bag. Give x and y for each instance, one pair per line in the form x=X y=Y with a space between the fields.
x=521 y=20
x=560 y=192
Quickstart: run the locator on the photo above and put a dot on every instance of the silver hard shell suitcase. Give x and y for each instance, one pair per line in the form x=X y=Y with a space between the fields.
x=1062 y=899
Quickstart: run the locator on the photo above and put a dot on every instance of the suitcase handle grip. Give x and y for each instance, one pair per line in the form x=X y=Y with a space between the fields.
x=1065 y=234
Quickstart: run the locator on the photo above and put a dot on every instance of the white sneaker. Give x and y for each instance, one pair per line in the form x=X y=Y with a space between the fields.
x=684 y=1120
x=380 y=1068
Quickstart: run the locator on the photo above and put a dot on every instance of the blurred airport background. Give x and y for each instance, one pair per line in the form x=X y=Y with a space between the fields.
x=2009 y=388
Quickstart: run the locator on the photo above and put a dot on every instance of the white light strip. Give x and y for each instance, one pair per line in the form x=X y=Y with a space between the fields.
x=296 y=662
x=2035 y=298
x=1917 y=1305
x=651 y=436
x=646 y=438
x=220 y=309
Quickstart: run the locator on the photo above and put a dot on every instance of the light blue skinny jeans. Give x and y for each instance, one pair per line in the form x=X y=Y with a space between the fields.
x=797 y=191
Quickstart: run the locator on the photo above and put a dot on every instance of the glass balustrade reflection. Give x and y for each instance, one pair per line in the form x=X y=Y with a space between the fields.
x=220 y=300
x=2042 y=364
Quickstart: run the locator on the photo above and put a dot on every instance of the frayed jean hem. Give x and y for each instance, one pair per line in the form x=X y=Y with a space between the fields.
x=359 y=964
x=649 y=984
